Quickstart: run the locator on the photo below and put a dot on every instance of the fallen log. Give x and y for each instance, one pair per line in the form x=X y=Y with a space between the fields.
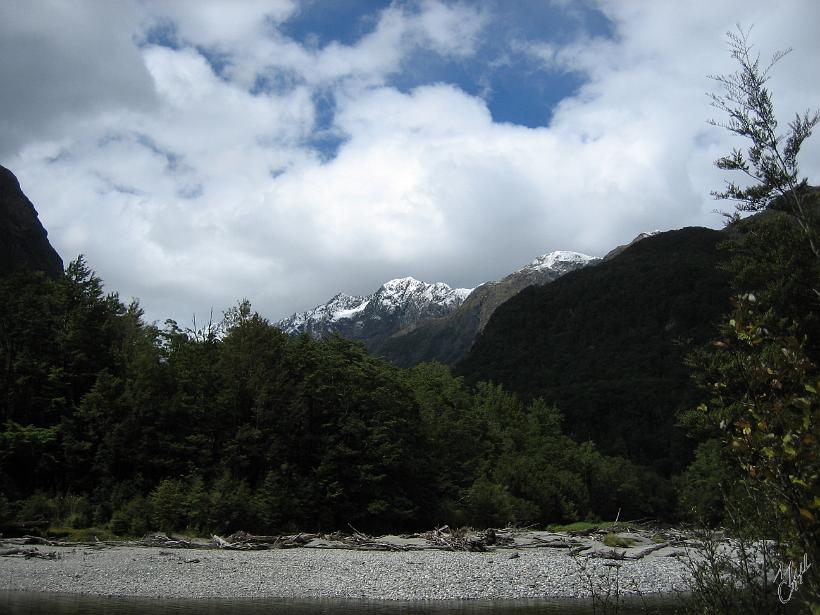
x=28 y=553
x=37 y=540
x=611 y=554
x=643 y=553
x=163 y=540
x=12 y=551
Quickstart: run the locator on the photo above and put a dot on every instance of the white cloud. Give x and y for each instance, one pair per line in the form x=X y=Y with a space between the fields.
x=188 y=190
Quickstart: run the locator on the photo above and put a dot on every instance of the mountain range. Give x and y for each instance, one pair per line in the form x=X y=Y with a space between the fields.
x=408 y=321
x=396 y=305
x=603 y=339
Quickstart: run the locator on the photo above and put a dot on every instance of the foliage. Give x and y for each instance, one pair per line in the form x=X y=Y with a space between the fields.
x=606 y=344
x=762 y=373
x=613 y=540
x=771 y=158
x=703 y=486
x=735 y=570
x=109 y=420
x=765 y=402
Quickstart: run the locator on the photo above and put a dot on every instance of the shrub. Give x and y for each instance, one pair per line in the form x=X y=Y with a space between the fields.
x=169 y=505
x=133 y=519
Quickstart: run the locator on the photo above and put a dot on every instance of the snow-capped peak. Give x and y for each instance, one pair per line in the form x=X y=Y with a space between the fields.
x=560 y=260
x=397 y=293
x=405 y=299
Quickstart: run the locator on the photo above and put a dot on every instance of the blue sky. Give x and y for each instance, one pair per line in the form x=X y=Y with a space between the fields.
x=513 y=83
x=199 y=152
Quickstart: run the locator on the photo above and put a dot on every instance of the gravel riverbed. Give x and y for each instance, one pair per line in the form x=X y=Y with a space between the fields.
x=333 y=573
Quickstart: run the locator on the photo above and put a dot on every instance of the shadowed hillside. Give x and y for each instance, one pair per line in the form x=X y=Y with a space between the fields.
x=448 y=339
x=23 y=240
x=607 y=343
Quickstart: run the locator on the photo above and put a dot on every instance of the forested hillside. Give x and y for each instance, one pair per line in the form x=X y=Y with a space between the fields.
x=607 y=344
x=110 y=421
x=449 y=338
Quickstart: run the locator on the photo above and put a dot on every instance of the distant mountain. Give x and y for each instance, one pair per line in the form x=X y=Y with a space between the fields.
x=396 y=305
x=449 y=338
x=616 y=251
x=607 y=344
x=23 y=240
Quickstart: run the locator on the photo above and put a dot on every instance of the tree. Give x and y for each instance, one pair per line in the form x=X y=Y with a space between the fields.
x=762 y=372
x=771 y=159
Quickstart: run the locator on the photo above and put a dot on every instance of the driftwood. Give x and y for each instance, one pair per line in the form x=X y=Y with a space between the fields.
x=648 y=550
x=28 y=553
x=611 y=554
x=441 y=538
x=621 y=554
x=163 y=540
x=557 y=543
x=37 y=540
x=242 y=541
x=458 y=540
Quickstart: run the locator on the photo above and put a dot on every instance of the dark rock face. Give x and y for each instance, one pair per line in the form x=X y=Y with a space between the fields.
x=23 y=240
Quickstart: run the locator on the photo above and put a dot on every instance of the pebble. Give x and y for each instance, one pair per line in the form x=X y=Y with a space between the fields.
x=331 y=573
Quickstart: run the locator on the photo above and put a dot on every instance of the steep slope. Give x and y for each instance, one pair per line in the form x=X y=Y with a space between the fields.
x=448 y=339
x=607 y=343
x=616 y=251
x=23 y=240
x=396 y=305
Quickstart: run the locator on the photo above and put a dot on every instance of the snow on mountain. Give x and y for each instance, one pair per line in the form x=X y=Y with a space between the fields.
x=401 y=302
x=560 y=261
x=402 y=305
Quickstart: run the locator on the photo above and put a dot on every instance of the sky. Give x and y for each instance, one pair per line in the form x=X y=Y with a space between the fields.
x=200 y=152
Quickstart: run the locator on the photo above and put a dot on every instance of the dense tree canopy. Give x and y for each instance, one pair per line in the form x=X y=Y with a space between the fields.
x=238 y=426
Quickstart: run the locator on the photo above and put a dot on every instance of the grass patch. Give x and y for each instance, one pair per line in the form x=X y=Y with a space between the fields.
x=613 y=540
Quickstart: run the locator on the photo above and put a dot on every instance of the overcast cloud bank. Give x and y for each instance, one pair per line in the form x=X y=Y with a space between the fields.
x=198 y=153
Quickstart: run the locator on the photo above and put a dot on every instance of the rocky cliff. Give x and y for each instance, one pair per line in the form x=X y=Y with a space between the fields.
x=23 y=240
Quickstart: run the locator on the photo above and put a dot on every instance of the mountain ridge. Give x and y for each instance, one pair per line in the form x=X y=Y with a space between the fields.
x=404 y=306
x=396 y=304
x=607 y=344
x=23 y=238
x=448 y=339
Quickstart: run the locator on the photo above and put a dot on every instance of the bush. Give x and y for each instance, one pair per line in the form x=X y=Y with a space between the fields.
x=492 y=505
x=133 y=519
x=73 y=511
x=38 y=509
x=169 y=505
x=701 y=486
x=231 y=506
x=6 y=514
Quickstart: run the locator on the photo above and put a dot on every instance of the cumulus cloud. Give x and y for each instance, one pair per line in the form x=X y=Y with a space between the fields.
x=176 y=145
